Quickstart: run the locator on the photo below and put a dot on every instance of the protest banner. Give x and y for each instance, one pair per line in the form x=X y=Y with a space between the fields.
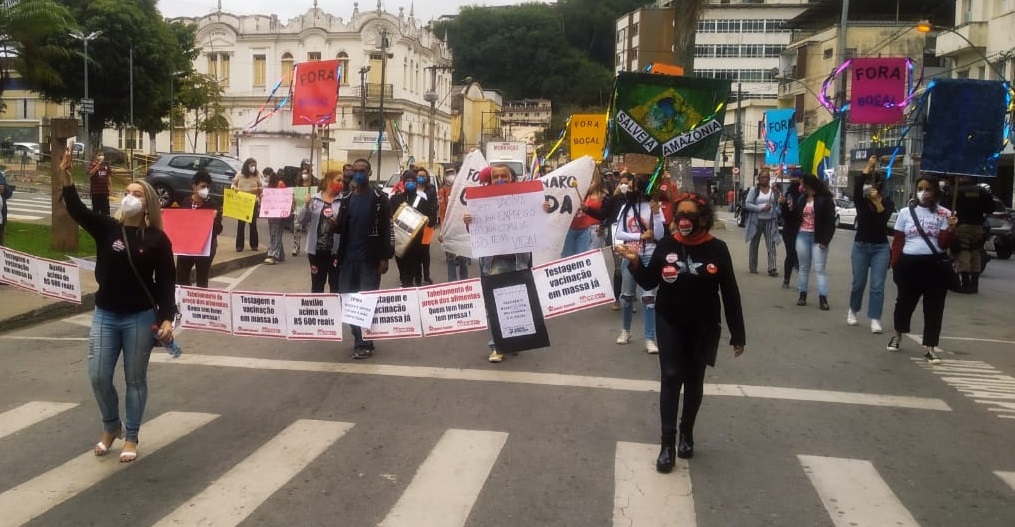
x=396 y=315
x=208 y=309
x=315 y=92
x=190 y=230
x=513 y=305
x=300 y=194
x=454 y=237
x=588 y=136
x=878 y=90
x=965 y=128
x=258 y=314
x=666 y=115
x=455 y=307
x=506 y=219
x=18 y=269
x=565 y=189
x=276 y=203
x=313 y=316
x=781 y=143
x=58 y=280
x=358 y=309
x=83 y=264
x=573 y=284
x=238 y=205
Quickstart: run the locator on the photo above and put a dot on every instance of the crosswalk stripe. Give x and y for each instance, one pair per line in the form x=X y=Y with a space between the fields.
x=854 y=494
x=642 y=497
x=1007 y=477
x=234 y=496
x=446 y=486
x=37 y=495
x=28 y=414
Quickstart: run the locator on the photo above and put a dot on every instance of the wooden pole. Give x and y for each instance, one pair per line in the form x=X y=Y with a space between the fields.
x=64 y=231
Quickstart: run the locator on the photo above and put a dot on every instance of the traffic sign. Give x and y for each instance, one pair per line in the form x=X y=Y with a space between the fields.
x=736 y=171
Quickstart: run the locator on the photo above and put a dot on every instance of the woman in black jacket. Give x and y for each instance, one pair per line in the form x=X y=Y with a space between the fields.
x=815 y=210
x=693 y=271
x=871 y=253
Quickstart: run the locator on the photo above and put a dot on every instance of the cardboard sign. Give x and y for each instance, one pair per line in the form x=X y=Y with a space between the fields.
x=257 y=314
x=58 y=280
x=313 y=317
x=506 y=219
x=190 y=230
x=18 y=269
x=454 y=237
x=396 y=315
x=573 y=284
x=238 y=205
x=208 y=309
x=781 y=143
x=878 y=88
x=512 y=305
x=455 y=307
x=564 y=188
x=588 y=135
x=276 y=202
x=315 y=92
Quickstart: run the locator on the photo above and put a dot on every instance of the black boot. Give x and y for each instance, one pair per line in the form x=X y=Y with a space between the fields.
x=667 y=456
x=802 y=301
x=685 y=446
x=823 y=303
x=960 y=283
x=974 y=283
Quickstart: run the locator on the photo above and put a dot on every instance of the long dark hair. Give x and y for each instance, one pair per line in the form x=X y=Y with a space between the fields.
x=246 y=167
x=704 y=205
x=820 y=188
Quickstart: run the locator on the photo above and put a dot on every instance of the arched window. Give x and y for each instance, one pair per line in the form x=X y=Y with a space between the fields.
x=287 y=67
x=343 y=61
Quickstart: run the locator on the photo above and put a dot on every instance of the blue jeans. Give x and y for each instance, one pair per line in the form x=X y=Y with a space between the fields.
x=810 y=254
x=458 y=266
x=628 y=288
x=355 y=276
x=873 y=257
x=112 y=333
x=576 y=241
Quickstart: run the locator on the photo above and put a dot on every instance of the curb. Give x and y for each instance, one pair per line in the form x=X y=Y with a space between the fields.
x=58 y=309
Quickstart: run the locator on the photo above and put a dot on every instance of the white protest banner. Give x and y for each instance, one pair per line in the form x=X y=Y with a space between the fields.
x=87 y=265
x=258 y=314
x=573 y=284
x=209 y=309
x=396 y=315
x=276 y=202
x=58 y=280
x=453 y=236
x=313 y=316
x=565 y=189
x=514 y=311
x=18 y=269
x=506 y=219
x=455 y=307
x=358 y=309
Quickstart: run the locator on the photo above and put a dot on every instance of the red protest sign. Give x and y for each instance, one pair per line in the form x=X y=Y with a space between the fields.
x=879 y=89
x=190 y=230
x=315 y=92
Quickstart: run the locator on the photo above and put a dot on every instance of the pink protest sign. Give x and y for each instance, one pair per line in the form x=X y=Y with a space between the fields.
x=878 y=90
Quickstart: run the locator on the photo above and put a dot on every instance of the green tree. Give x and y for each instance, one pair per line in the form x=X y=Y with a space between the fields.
x=30 y=34
x=590 y=25
x=202 y=95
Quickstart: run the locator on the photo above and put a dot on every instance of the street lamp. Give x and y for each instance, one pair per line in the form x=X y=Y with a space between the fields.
x=926 y=26
x=363 y=95
x=86 y=104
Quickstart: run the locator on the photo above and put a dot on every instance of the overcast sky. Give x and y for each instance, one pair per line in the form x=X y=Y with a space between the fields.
x=425 y=10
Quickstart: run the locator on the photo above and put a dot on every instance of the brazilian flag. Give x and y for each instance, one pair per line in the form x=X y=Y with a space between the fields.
x=814 y=150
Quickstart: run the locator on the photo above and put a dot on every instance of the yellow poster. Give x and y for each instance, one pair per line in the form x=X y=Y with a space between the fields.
x=238 y=205
x=588 y=134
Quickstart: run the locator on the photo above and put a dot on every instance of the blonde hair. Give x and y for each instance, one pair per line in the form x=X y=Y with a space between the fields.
x=152 y=210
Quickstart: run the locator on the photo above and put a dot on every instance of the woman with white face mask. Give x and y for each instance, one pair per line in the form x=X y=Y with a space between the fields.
x=200 y=198
x=134 y=305
x=249 y=181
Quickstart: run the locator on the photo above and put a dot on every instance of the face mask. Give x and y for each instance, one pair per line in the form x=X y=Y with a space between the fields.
x=360 y=178
x=202 y=193
x=131 y=205
x=421 y=180
x=253 y=168
x=305 y=176
x=450 y=180
x=410 y=186
x=687 y=223
x=624 y=188
x=501 y=181
x=335 y=187
x=924 y=196
x=867 y=190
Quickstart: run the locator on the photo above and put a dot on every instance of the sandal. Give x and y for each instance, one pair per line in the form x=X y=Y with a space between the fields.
x=126 y=456
x=102 y=449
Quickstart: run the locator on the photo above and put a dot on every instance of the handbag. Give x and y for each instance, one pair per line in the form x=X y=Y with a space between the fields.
x=944 y=260
x=172 y=347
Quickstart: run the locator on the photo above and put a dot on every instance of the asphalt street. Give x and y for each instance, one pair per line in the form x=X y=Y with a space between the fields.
x=815 y=425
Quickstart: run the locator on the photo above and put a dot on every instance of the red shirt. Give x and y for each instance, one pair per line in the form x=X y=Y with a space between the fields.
x=99 y=180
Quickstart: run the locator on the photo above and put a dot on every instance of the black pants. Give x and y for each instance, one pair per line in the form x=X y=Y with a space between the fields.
x=323 y=268
x=915 y=277
x=100 y=204
x=253 y=230
x=410 y=266
x=678 y=368
x=426 y=263
x=203 y=265
x=789 y=241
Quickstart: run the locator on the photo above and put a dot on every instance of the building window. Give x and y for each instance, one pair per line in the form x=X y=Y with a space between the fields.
x=313 y=55
x=828 y=53
x=217 y=142
x=622 y=35
x=287 y=67
x=260 y=70
x=634 y=30
x=343 y=62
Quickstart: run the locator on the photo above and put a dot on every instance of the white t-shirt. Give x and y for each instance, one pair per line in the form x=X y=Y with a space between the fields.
x=628 y=229
x=933 y=222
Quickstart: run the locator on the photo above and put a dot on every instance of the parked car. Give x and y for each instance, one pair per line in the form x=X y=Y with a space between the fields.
x=391 y=183
x=31 y=150
x=845 y=213
x=172 y=174
x=1001 y=236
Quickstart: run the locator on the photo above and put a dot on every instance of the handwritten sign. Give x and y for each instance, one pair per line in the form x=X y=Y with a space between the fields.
x=58 y=280
x=313 y=317
x=878 y=88
x=358 y=309
x=781 y=143
x=506 y=219
x=396 y=315
x=238 y=205
x=276 y=202
x=18 y=269
x=208 y=309
x=564 y=188
x=455 y=307
x=315 y=92
x=573 y=284
x=454 y=237
x=259 y=314
x=588 y=135
x=190 y=230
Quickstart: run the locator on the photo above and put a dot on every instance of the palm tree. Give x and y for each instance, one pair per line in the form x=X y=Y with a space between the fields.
x=27 y=43
x=685 y=23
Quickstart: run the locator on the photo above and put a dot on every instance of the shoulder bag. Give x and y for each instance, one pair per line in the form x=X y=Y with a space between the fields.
x=944 y=260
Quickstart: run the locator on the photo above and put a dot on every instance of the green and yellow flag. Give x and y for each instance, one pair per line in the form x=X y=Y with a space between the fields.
x=817 y=147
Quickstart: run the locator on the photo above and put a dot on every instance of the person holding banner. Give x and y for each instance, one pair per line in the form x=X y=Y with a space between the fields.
x=815 y=210
x=200 y=199
x=319 y=219
x=693 y=271
x=410 y=264
x=458 y=266
x=423 y=185
x=276 y=226
x=137 y=294
x=639 y=225
x=762 y=205
x=247 y=181
x=308 y=182
x=585 y=232
x=871 y=252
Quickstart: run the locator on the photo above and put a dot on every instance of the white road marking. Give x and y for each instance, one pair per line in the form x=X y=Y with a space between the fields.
x=237 y=494
x=555 y=379
x=84 y=319
x=446 y=486
x=37 y=495
x=1007 y=477
x=29 y=414
x=642 y=497
x=854 y=494
x=990 y=341
x=979 y=381
x=239 y=280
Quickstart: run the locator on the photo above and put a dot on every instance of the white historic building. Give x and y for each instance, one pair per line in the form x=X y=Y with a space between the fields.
x=249 y=55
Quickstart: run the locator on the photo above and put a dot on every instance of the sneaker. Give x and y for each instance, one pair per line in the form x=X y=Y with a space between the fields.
x=894 y=343
x=624 y=337
x=363 y=353
x=296 y=253
x=876 y=326
x=930 y=355
x=851 y=318
x=270 y=261
x=650 y=347
x=495 y=357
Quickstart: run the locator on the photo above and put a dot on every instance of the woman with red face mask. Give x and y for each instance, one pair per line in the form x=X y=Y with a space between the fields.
x=319 y=220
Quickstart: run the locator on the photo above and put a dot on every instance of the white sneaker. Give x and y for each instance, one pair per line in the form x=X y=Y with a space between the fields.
x=876 y=326
x=851 y=318
x=650 y=347
x=625 y=337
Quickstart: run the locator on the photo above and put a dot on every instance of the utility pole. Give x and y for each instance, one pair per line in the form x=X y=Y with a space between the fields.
x=738 y=136
x=380 y=132
x=363 y=95
x=133 y=134
x=841 y=91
